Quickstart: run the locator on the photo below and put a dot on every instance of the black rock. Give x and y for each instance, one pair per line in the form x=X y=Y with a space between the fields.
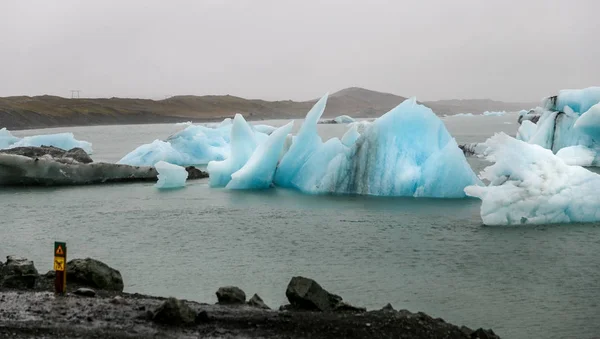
x=93 y=273
x=19 y=273
x=174 y=312
x=257 y=302
x=85 y=292
x=194 y=173
x=307 y=294
x=231 y=295
x=75 y=154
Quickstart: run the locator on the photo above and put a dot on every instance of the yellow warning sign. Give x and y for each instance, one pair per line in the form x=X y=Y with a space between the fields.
x=59 y=250
x=59 y=264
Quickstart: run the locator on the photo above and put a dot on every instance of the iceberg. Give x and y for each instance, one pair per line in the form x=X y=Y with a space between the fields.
x=304 y=144
x=243 y=144
x=577 y=100
x=406 y=152
x=531 y=185
x=259 y=171
x=265 y=129
x=344 y=119
x=498 y=114
x=64 y=141
x=170 y=176
x=6 y=138
x=195 y=145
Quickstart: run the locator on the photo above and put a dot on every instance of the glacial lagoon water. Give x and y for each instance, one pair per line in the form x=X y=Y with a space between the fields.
x=428 y=255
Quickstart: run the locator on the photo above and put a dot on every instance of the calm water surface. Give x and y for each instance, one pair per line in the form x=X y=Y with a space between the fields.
x=430 y=255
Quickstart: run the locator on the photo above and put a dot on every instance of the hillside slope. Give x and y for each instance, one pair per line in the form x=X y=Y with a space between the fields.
x=47 y=111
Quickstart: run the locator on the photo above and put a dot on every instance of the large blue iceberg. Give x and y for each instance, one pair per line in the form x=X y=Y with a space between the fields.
x=531 y=185
x=65 y=141
x=406 y=152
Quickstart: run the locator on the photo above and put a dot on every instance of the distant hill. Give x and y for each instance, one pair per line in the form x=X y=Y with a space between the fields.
x=48 y=111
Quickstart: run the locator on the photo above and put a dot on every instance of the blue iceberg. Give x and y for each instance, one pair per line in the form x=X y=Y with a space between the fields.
x=406 y=152
x=344 y=119
x=170 y=176
x=570 y=119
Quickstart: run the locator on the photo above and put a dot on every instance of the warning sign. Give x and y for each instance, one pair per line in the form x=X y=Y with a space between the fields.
x=59 y=264
x=60 y=249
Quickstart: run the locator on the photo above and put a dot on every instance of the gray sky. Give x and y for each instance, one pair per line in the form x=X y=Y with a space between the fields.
x=517 y=50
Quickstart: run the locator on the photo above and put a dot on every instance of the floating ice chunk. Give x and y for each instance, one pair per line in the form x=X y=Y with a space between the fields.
x=304 y=144
x=351 y=136
x=462 y=115
x=498 y=114
x=526 y=130
x=65 y=141
x=258 y=172
x=406 y=152
x=530 y=185
x=243 y=144
x=195 y=145
x=170 y=176
x=577 y=155
x=344 y=119
x=589 y=122
x=578 y=100
x=6 y=138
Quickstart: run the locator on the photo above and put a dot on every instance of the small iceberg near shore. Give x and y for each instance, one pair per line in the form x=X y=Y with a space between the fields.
x=531 y=185
x=170 y=176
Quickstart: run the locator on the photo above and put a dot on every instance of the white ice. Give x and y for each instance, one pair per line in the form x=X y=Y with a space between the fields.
x=65 y=141
x=243 y=144
x=498 y=114
x=258 y=172
x=344 y=119
x=531 y=185
x=577 y=155
x=170 y=176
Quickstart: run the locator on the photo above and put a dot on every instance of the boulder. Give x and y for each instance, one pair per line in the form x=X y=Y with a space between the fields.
x=19 y=273
x=85 y=292
x=257 y=302
x=174 y=312
x=93 y=273
x=231 y=295
x=307 y=294
x=194 y=173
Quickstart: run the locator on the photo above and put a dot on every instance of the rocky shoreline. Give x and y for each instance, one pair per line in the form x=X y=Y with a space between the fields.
x=95 y=306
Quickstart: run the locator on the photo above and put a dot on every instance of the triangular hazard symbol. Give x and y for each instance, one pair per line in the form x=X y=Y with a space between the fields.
x=59 y=250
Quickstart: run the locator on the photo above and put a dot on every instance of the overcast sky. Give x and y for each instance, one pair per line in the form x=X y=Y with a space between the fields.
x=514 y=50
